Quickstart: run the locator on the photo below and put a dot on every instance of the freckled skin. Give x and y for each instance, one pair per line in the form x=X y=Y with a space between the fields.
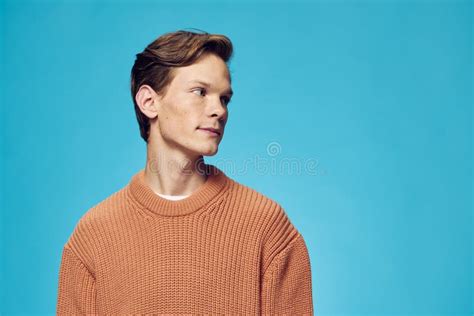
x=176 y=146
x=184 y=108
x=175 y=117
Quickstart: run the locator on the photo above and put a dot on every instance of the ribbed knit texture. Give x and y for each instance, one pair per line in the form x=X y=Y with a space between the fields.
x=225 y=249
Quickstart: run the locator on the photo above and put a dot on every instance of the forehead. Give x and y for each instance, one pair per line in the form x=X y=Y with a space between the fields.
x=209 y=68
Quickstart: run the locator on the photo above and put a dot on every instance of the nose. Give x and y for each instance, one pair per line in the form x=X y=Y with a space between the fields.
x=218 y=109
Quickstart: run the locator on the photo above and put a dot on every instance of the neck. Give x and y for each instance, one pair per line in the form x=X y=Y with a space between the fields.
x=173 y=173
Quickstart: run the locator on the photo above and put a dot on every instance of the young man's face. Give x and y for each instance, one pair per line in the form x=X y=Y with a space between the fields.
x=196 y=98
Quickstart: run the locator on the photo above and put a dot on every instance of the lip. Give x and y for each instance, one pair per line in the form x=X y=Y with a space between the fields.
x=211 y=131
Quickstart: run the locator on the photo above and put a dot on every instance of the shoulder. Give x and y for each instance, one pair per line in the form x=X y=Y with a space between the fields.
x=275 y=220
x=94 y=222
x=277 y=230
x=253 y=200
x=104 y=210
x=110 y=207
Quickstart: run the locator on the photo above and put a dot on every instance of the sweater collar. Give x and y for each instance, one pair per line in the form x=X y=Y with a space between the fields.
x=215 y=184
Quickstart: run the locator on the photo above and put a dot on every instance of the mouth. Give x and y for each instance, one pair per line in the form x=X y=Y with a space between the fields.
x=211 y=131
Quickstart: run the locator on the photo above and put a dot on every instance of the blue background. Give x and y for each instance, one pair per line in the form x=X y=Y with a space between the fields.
x=377 y=94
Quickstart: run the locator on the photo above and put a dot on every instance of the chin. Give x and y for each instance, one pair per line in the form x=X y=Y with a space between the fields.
x=209 y=152
x=202 y=151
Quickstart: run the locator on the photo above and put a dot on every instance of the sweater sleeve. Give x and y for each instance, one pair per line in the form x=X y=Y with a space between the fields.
x=76 y=288
x=286 y=287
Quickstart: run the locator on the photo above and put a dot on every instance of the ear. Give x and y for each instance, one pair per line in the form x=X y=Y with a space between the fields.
x=147 y=101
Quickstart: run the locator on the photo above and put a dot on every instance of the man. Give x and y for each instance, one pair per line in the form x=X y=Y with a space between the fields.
x=182 y=237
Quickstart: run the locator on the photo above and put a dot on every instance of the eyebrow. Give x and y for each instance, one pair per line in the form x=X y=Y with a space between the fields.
x=229 y=91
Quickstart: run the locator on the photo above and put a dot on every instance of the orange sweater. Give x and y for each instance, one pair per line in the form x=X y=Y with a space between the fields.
x=225 y=249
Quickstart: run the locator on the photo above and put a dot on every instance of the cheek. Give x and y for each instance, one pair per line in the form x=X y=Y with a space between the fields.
x=178 y=125
x=178 y=120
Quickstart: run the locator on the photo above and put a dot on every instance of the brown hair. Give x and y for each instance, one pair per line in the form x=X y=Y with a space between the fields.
x=154 y=65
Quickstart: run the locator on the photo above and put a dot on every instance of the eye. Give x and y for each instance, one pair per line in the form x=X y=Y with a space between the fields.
x=226 y=100
x=200 y=89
